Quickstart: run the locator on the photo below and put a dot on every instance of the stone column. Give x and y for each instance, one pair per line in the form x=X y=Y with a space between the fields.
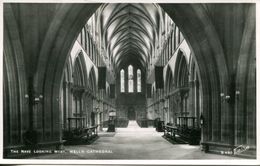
x=162 y=112
x=101 y=108
x=158 y=109
x=170 y=109
x=227 y=119
x=126 y=80
x=197 y=100
x=192 y=98
x=65 y=105
x=135 y=79
x=93 y=119
x=180 y=104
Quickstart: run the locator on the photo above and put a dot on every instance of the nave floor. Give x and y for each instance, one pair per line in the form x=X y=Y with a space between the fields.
x=133 y=143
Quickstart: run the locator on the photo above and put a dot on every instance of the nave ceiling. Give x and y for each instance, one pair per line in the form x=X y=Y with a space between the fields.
x=129 y=32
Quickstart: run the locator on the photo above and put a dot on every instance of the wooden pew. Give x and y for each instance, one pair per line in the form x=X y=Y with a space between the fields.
x=77 y=133
x=188 y=131
x=170 y=131
x=185 y=130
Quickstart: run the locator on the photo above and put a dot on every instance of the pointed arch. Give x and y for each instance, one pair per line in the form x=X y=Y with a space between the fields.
x=78 y=79
x=181 y=71
x=92 y=80
x=67 y=73
x=169 y=80
x=80 y=71
x=206 y=46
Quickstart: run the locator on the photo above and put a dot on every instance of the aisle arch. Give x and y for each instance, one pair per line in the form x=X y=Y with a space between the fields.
x=61 y=35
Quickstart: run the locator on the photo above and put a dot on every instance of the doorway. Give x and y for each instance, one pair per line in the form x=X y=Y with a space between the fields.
x=131 y=113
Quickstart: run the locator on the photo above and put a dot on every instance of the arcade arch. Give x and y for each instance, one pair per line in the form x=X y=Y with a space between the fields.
x=41 y=68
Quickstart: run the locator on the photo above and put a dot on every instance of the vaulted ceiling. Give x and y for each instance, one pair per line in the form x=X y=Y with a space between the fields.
x=130 y=32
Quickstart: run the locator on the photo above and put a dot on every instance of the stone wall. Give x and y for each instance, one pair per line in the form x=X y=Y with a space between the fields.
x=128 y=104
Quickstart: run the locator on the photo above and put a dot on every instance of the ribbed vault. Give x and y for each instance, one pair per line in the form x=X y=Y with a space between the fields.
x=129 y=32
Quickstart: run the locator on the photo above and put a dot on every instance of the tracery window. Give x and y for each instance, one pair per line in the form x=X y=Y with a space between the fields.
x=139 y=89
x=130 y=79
x=122 y=80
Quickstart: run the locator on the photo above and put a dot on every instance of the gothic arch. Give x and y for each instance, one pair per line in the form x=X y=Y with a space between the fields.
x=80 y=71
x=92 y=80
x=203 y=52
x=181 y=71
x=208 y=52
x=61 y=35
x=169 y=80
x=67 y=75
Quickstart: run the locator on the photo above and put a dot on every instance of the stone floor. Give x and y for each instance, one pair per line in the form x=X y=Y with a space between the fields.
x=132 y=143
